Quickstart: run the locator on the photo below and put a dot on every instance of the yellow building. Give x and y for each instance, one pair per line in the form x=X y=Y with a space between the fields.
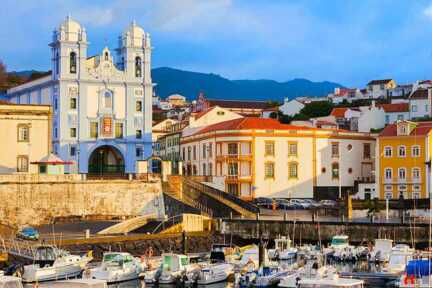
x=404 y=149
x=25 y=136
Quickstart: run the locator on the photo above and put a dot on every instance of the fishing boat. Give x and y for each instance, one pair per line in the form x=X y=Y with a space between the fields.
x=117 y=267
x=51 y=263
x=269 y=277
x=10 y=282
x=174 y=268
x=340 y=250
x=282 y=250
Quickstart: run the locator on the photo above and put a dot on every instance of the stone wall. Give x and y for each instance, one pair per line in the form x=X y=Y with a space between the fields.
x=37 y=199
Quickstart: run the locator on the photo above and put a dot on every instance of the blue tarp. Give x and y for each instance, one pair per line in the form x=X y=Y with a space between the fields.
x=419 y=268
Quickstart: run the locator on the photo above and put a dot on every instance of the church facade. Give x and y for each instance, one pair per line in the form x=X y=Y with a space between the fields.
x=102 y=105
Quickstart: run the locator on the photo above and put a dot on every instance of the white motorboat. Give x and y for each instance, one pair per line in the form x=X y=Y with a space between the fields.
x=76 y=283
x=172 y=269
x=282 y=250
x=381 y=250
x=398 y=260
x=117 y=267
x=10 y=282
x=52 y=263
x=340 y=249
x=334 y=281
x=268 y=277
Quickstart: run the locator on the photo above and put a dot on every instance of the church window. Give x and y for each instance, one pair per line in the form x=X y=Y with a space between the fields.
x=138 y=67
x=138 y=106
x=73 y=64
x=106 y=56
x=107 y=100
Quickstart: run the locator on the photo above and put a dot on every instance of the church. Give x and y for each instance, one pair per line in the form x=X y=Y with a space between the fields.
x=102 y=105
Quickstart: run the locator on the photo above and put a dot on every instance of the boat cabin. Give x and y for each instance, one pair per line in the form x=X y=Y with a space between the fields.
x=339 y=241
x=10 y=282
x=282 y=244
x=45 y=255
x=117 y=259
x=174 y=262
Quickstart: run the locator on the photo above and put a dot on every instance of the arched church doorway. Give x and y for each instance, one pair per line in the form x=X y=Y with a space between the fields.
x=106 y=160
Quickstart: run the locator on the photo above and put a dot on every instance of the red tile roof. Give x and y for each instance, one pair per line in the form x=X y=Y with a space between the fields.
x=394 y=107
x=338 y=112
x=421 y=129
x=248 y=123
x=419 y=94
x=378 y=82
x=202 y=113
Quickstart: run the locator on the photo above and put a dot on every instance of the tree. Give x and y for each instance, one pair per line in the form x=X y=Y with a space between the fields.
x=317 y=109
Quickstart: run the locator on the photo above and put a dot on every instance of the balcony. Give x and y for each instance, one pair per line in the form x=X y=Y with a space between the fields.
x=238 y=178
x=402 y=181
x=240 y=157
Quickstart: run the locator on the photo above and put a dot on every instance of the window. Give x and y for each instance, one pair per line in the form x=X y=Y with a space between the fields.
x=138 y=67
x=189 y=153
x=415 y=195
x=42 y=169
x=184 y=153
x=269 y=148
x=426 y=108
x=400 y=117
x=335 y=170
x=349 y=147
x=388 y=195
x=350 y=170
x=401 y=151
x=94 y=133
x=388 y=188
x=106 y=56
x=107 y=100
x=204 y=150
x=293 y=170
x=382 y=86
x=22 y=163
x=72 y=132
x=73 y=103
x=388 y=173
x=233 y=169
x=23 y=133
x=138 y=134
x=55 y=104
x=220 y=113
x=233 y=189
x=388 y=151
x=118 y=130
x=138 y=106
x=416 y=188
x=387 y=119
x=292 y=149
x=366 y=151
x=402 y=173
x=210 y=169
x=269 y=170
x=415 y=151
x=335 y=150
x=57 y=64
x=416 y=173
x=72 y=63
x=72 y=151
x=210 y=150
x=232 y=148
x=204 y=169
x=138 y=152
x=194 y=152
x=414 y=108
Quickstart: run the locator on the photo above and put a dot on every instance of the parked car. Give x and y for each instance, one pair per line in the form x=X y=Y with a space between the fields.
x=312 y=203
x=264 y=202
x=328 y=203
x=283 y=204
x=299 y=204
x=28 y=233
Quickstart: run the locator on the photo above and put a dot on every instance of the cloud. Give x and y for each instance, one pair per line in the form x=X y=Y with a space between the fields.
x=95 y=16
x=428 y=11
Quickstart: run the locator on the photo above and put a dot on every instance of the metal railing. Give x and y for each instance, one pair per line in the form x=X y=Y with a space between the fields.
x=222 y=194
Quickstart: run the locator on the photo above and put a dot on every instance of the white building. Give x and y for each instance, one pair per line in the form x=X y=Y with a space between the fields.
x=258 y=157
x=291 y=108
x=395 y=112
x=102 y=108
x=380 y=88
x=420 y=103
x=372 y=117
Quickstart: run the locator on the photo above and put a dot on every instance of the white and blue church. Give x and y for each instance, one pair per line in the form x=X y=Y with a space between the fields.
x=102 y=104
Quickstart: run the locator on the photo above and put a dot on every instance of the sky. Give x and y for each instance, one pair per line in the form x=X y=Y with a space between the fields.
x=345 y=41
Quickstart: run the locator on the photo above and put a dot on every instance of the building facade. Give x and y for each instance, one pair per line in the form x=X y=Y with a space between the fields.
x=258 y=157
x=102 y=104
x=404 y=151
x=25 y=133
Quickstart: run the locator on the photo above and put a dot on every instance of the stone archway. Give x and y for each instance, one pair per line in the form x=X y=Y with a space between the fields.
x=106 y=160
